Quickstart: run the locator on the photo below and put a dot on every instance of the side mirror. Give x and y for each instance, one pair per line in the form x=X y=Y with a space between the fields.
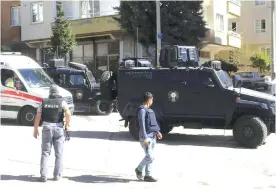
x=84 y=82
x=237 y=81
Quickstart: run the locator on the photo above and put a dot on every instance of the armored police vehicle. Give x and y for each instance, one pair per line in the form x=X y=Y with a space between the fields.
x=188 y=95
x=80 y=81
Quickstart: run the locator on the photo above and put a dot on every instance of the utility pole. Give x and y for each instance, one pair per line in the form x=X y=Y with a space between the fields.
x=273 y=37
x=137 y=41
x=158 y=31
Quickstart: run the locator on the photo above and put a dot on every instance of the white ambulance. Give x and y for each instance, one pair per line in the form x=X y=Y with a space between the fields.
x=23 y=86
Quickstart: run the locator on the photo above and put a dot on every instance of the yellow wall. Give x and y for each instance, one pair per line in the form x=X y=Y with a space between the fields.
x=94 y=25
x=242 y=55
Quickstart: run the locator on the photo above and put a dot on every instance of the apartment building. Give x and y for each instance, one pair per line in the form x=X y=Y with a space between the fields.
x=100 y=40
x=254 y=25
x=219 y=40
x=10 y=22
x=11 y=29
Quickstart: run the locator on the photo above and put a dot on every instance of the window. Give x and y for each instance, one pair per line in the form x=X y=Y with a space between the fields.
x=205 y=80
x=219 y=22
x=259 y=2
x=15 y=16
x=234 y=26
x=260 y=26
x=231 y=56
x=36 y=78
x=266 y=50
x=37 y=12
x=205 y=54
x=59 y=79
x=10 y=79
x=76 y=79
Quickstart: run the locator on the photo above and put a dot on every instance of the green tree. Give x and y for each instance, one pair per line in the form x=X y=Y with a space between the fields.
x=181 y=21
x=261 y=61
x=63 y=40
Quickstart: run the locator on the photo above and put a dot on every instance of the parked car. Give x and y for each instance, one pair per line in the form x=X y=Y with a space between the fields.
x=253 y=80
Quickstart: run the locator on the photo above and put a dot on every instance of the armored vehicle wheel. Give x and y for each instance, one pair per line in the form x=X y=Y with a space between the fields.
x=106 y=85
x=27 y=116
x=103 y=107
x=250 y=131
x=133 y=128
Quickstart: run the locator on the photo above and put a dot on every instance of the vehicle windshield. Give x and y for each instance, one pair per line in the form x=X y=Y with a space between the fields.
x=90 y=76
x=36 y=78
x=246 y=74
x=225 y=78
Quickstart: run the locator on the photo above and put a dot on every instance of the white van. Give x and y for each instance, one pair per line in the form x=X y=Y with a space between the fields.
x=31 y=85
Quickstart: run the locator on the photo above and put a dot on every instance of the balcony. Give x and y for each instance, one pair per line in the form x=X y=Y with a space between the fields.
x=94 y=26
x=234 y=39
x=234 y=8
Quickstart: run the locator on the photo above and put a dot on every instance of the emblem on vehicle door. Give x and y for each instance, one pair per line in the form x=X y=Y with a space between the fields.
x=79 y=95
x=173 y=96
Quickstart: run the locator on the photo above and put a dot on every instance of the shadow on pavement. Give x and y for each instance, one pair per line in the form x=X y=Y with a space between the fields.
x=170 y=139
x=9 y=122
x=99 y=179
x=27 y=178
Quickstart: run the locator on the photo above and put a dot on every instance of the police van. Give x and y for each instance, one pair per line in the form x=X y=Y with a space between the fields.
x=23 y=86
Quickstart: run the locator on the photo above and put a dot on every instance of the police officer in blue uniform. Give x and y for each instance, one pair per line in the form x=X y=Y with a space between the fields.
x=149 y=130
x=51 y=112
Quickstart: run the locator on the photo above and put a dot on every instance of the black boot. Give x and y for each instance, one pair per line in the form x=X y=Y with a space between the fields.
x=42 y=179
x=149 y=179
x=139 y=174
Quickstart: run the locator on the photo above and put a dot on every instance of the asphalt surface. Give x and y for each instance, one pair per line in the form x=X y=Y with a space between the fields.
x=101 y=154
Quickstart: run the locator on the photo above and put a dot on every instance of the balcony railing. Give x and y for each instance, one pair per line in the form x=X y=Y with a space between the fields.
x=234 y=39
x=237 y=2
x=234 y=8
x=234 y=34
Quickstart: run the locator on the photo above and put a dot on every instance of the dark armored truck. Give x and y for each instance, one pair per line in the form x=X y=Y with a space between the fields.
x=188 y=95
x=80 y=81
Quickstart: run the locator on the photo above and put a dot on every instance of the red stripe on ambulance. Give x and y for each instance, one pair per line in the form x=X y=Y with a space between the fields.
x=22 y=95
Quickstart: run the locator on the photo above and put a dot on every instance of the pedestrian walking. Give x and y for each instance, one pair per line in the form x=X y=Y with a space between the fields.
x=51 y=112
x=149 y=130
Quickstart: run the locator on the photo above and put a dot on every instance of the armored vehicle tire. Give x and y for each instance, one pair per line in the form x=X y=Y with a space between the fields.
x=103 y=107
x=133 y=128
x=250 y=131
x=27 y=116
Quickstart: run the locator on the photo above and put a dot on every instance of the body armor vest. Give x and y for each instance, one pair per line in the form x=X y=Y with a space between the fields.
x=151 y=122
x=52 y=110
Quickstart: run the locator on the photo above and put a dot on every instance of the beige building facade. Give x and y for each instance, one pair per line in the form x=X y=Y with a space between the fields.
x=100 y=39
x=254 y=26
x=219 y=38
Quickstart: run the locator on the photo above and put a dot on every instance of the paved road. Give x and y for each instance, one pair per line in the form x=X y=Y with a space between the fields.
x=101 y=154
